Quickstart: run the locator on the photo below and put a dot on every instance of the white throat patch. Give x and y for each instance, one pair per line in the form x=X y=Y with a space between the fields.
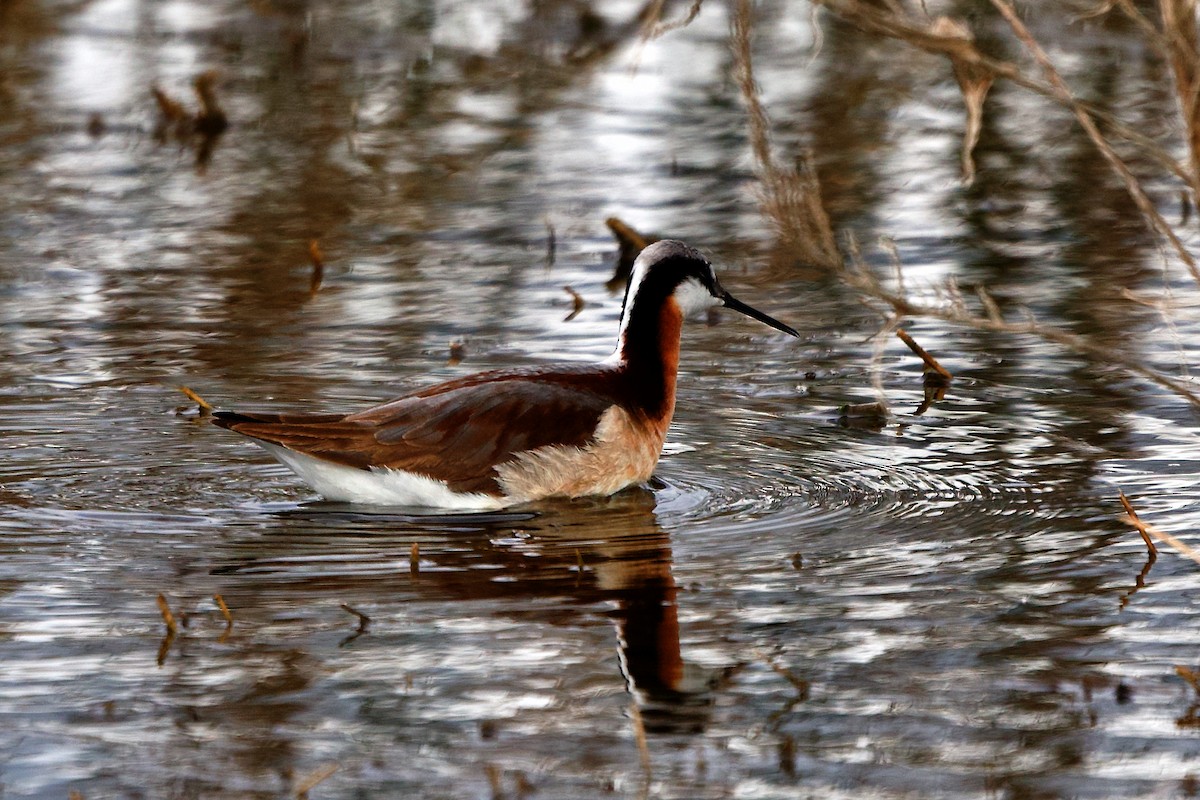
x=693 y=296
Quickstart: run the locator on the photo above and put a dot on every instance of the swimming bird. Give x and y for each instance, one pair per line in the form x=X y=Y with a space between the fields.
x=510 y=436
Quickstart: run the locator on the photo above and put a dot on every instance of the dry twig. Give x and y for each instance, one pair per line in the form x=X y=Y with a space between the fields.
x=205 y=407
x=318 y=266
x=954 y=310
x=577 y=303
x=1190 y=676
x=312 y=779
x=1150 y=532
x=168 y=617
x=1137 y=523
x=1063 y=93
x=931 y=363
x=790 y=198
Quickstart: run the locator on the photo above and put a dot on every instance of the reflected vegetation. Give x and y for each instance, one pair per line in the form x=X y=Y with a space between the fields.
x=852 y=578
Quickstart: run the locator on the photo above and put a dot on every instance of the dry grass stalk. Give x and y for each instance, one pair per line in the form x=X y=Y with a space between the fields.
x=318 y=266
x=577 y=303
x=1182 y=44
x=799 y=684
x=974 y=82
x=790 y=198
x=931 y=363
x=225 y=612
x=630 y=243
x=363 y=619
x=873 y=19
x=626 y=236
x=414 y=558
x=173 y=117
x=205 y=407
x=953 y=309
x=1181 y=547
x=494 y=777
x=653 y=26
x=1190 y=676
x=639 y=735
x=168 y=617
x=312 y=779
x=1137 y=523
x=211 y=119
x=1063 y=92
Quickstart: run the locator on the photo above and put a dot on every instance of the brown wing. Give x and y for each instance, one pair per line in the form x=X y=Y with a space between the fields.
x=456 y=432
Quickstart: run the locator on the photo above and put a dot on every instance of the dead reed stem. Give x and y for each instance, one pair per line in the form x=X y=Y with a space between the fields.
x=639 y=734
x=220 y=601
x=930 y=362
x=1064 y=94
x=168 y=617
x=318 y=266
x=312 y=779
x=654 y=27
x=205 y=407
x=872 y=19
x=857 y=276
x=1137 y=523
x=790 y=198
x=1149 y=531
x=1182 y=47
x=1191 y=677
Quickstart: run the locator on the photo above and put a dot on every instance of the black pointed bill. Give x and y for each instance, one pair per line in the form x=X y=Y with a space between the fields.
x=737 y=305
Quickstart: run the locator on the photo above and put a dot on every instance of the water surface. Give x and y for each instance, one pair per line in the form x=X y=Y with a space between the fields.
x=944 y=605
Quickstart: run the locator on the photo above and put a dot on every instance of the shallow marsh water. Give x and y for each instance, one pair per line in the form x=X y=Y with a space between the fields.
x=944 y=606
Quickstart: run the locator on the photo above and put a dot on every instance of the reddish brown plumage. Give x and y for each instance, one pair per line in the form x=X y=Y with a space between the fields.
x=458 y=431
x=524 y=434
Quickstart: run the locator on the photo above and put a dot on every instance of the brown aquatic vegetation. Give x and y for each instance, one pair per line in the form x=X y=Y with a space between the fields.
x=1149 y=532
x=789 y=198
x=310 y=781
x=1182 y=45
x=227 y=614
x=173 y=118
x=953 y=308
x=205 y=407
x=210 y=121
x=201 y=130
x=639 y=735
x=630 y=243
x=973 y=81
x=931 y=363
x=864 y=416
x=165 y=609
x=653 y=25
x=1063 y=92
x=951 y=39
x=363 y=622
x=577 y=303
x=169 y=619
x=1189 y=675
x=1136 y=522
x=317 y=260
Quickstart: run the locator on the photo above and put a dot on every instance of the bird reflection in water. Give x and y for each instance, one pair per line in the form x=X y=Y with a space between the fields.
x=591 y=553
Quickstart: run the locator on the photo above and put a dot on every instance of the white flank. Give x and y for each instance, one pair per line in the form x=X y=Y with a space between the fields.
x=378 y=486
